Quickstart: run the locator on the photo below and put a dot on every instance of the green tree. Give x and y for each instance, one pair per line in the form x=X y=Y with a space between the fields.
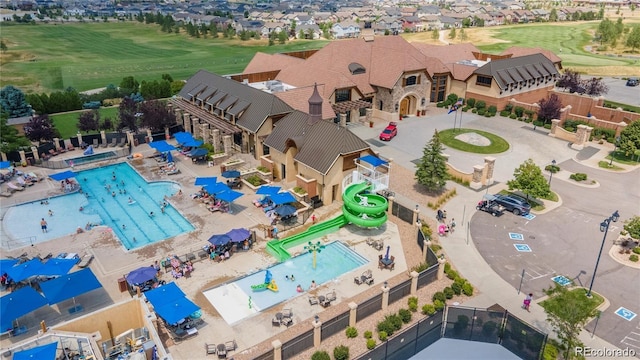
x=10 y=138
x=606 y=31
x=633 y=40
x=129 y=85
x=632 y=226
x=282 y=37
x=435 y=34
x=3 y=46
x=568 y=312
x=553 y=15
x=40 y=128
x=630 y=139
x=462 y=35
x=452 y=33
x=432 y=172
x=528 y=178
x=13 y=102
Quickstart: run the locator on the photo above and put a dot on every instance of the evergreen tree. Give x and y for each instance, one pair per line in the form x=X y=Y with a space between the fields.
x=633 y=40
x=13 y=102
x=10 y=138
x=432 y=172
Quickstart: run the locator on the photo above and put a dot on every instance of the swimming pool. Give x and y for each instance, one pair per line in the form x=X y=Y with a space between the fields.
x=91 y=158
x=231 y=300
x=105 y=200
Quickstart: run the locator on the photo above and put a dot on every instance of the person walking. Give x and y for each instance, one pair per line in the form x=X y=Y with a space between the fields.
x=452 y=225
x=43 y=225
x=527 y=302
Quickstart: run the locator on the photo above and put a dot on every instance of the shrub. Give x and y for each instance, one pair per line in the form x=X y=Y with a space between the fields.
x=538 y=123
x=413 y=304
x=578 y=176
x=550 y=352
x=448 y=292
x=460 y=281
x=633 y=258
x=513 y=116
x=467 y=289
x=481 y=104
x=299 y=190
x=508 y=108
x=471 y=102
x=440 y=104
x=492 y=109
x=351 y=332
x=428 y=309
x=438 y=305
x=552 y=168
x=262 y=169
x=396 y=322
x=505 y=113
x=368 y=334
x=636 y=250
x=385 y=326
x=447 y=267
x=371 y=344
x=254 y=180
x=420 y=267
x=341 y=352
x=439 y=296
x=481 y=112
x=436 y=248
x=519 y=111
x=382 y=335
x=320 y=355
x=452 y=274
x=405 y=315
x=488 y=114
x=457 y=288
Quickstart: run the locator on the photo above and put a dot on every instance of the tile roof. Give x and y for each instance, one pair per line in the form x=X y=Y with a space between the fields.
x=319 y=145
x=261 y=104
x=448 y=54
x=517 y=51
x=298 y=99
x=514 y=70
x=263 y=62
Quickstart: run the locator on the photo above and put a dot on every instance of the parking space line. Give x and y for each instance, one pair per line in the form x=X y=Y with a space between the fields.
x=632 y=339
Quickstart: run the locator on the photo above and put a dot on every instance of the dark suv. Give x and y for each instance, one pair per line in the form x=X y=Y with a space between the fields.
x=515 y=204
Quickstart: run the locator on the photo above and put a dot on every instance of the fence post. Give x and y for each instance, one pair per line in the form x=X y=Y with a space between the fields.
x=414 y=283
x=317 y=332
x=425 y=249
x=416 y=213
x=441 y=262
x=353 y=307
x=277 y=349
x=385 y=296
x=390 y=199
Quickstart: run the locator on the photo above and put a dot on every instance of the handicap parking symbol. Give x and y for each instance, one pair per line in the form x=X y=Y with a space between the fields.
x=516 y=236
x=522 y=247
x=561 y=280
x=529 y=216
x=625 y=314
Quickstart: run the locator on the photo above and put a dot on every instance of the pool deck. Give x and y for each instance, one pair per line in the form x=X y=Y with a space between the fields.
x=111 y=261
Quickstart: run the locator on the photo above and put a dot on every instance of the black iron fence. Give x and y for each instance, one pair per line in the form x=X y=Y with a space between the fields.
x=297 y=345
x=399 y=291
x=266 y=356
x=335 y=325
x=428 y=276
x=522 y=339
x=402 y=212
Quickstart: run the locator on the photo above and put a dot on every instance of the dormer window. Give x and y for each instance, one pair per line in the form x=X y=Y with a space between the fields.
x=356 y=69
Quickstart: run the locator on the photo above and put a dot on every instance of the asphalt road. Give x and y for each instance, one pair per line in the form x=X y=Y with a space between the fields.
x=621 y=93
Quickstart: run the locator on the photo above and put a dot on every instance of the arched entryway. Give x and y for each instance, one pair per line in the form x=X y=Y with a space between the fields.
x=408 y=105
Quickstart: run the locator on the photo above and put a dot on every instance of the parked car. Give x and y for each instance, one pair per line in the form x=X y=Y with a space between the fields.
x=489 y=204
x=633 y=81
x=389 y=132
x=515 y=204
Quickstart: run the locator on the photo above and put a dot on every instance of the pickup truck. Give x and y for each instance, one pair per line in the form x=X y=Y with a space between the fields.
x=389 y=132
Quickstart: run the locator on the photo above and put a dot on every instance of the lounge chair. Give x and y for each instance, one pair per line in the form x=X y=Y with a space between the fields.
x=313 y=300
x=31 y=176
x=13 y=186
x=53 y=152
x=328 y=299
x=113 y=142
x=211 y=349
x=365 y=278
x=276 y=321
x=5 y=193
x=95 y=144
x=222 y=351
x=231 y=345
x=22 y=182
x=123 y=142
x=85 y=261
x=70 y=147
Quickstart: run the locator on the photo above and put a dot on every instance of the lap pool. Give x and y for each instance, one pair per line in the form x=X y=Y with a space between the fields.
x=115 y=196
x=231 y=300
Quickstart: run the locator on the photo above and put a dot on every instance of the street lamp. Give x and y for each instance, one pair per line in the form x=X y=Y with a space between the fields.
x=604 y=227
x=551 y=170
x=615 y=147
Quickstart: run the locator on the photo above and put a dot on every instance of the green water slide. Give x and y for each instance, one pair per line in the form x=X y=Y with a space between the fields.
x=363 y=209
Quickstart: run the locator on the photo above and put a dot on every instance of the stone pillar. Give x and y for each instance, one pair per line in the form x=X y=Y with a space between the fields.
x=23 y=157
x=317 y=333
x=186 y=118
x=353 y=307
x=581 y=137
x=476 y=180
x=441 y=261
x=216 y=140
x=490 y=163
x=34 y=150
x=385 y=296
x=227 y=144
x=554 y=126
x=621 y=126
x=390 y=200
x=130 y=138
x=3 y=156
x=427 y=245
x=414 y=282
x=103 y=137
x=343 y=120
x=79 y=136
x=277 y=349
x=368 y=115
x=195 y=129
x=416 y=213
x=166 y=133
x=204 y=132
x=56 y=143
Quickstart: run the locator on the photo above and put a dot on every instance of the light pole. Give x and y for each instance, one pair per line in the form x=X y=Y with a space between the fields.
x=615 y=147
x=551 y=170
x=604 y=227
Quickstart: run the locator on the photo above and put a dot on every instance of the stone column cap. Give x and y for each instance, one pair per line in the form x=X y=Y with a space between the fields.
x=277 y=344
x=353 y=305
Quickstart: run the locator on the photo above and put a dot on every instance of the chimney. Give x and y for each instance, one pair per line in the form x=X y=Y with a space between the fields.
x=315 y=106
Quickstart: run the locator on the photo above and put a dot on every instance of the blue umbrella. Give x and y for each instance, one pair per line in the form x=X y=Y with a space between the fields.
x=231 y=174
x=54 y=267
x=141 y=275
x=219 y=239
x=25 y=270
x=198 y=152
x=238 y=235
x=282 y=198
x=69 y=286
x=63 y=175
x=17 y=304
x=285 y=210
x=193 y=143
x=228 y=196
x=386 y=256
x=164 y=294
x=182 y=137
x=6 y=264
x=176 y=310
x=217 y=188
x=5 y=164
x=268 y=190
x=161 y=146
x=202 y=181
x=44 y=352
x=169 y=157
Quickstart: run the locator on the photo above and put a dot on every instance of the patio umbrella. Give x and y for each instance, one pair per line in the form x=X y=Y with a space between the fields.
x=161 y=146
x=141 y=275
x=217 y=188
x=164 y=294
x=182 y=137
x=282 y=198
x=169 y=157
x=202 y=181
x=54 y=267
x=44 y=352
x=69 y=286
x=193 y=143
x=25 y=270
x=6 y=264
x=386 y=256
x=198 y=152
x=239 y=235
x=17 y=304
x=229 y=174
x=176 y=310
x=5 y=164
x=219 y=239
x=268 y=190
x=228 y=196
x=63 y=175
x=285 y=210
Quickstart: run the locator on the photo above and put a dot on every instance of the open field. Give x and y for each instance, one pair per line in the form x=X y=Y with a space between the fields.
x=67 y=123
x=48 y=57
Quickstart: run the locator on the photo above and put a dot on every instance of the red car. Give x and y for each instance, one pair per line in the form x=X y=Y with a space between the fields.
x=389 y=132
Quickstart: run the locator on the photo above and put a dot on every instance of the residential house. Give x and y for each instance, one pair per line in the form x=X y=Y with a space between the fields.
x=272 y=27
x=345 y=29
x=412 y=24
x=387 y=25
x=308 y=32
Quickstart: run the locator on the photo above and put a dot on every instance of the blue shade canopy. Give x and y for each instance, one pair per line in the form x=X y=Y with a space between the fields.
x=229 y=196
x=55 y=267
x=5 y=164
x=231 y=174
x=17 y=304
x=193 y=143
x=219 y=239
x=176 y=310
x=169 y=157
x=268 y=190
x=202 y=181
x=69 y=286
x=63 y=175
x=25 y=270
x=285 y=210
x=217 y=188
x=161 y=146
x=198 y=152
x=88 y=151
x=375 y=161
x=44 y=352
x=164 y=294
x=282 y=198
x=238 y=235
x=5 y=264
x=141 y=275
x=182 y=136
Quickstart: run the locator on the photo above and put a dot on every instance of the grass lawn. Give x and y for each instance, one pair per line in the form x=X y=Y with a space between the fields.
x=67 y=123
x=497 y=145
x=48 y=57
x=594 y=301
x=620 y=157
x=605 y=165
x=627 y=107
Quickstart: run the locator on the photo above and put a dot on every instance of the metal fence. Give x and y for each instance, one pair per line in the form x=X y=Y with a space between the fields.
x=294 y=222
x=428 y=276
x=402 y=212
x=522 y=339
x=421 y=239
x=334 y=325
x=399 y=291
x=369 y=307
x=266 y=356
x=297 y=345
